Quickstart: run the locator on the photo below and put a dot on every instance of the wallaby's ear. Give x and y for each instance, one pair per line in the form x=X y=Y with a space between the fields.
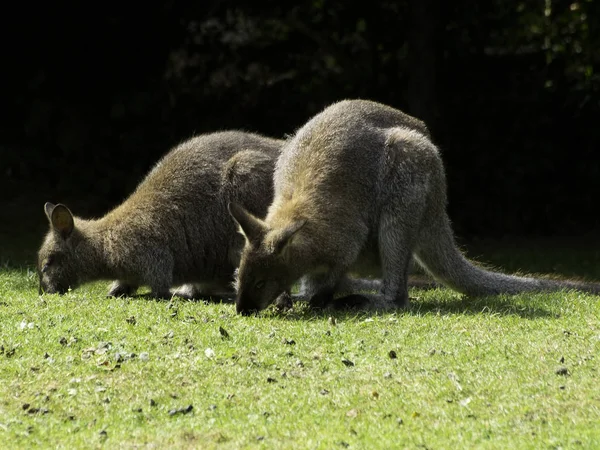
x=61 y=220
x=284 y=237
x=252 y=227
x=48 y=207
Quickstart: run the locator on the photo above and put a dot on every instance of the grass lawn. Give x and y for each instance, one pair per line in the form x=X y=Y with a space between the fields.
x=83 y=371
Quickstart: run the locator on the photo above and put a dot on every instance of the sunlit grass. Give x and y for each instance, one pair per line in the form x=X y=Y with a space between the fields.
x=509 y=372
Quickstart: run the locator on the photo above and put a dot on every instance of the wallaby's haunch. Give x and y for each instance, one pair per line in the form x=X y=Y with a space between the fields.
x=360 y=188
x=174 y=229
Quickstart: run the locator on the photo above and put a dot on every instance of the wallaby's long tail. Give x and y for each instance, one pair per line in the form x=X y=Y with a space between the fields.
x=438 y=254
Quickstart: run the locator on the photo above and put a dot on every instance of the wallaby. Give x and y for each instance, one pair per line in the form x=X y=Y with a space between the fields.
x=174 y=229
x=360 y=188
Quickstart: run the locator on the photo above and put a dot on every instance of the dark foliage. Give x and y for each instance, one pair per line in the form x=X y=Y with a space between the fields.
x=94 y=95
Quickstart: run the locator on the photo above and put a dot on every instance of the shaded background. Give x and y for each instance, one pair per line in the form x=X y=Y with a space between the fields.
x=91 y=98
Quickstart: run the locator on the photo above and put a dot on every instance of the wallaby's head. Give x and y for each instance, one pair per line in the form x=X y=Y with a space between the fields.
x=265 y=269
x=57 y=266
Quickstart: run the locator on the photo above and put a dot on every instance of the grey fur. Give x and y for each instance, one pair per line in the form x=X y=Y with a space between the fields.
x=360 y=188
x=174 y=229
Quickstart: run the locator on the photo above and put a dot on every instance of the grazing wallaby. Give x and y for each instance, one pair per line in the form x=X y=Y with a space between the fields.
x=174 y=229
x=360 y=188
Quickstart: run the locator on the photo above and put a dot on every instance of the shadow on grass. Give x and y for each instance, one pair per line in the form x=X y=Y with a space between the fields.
x=493 y=305
x=437 y=302
x=444 y=304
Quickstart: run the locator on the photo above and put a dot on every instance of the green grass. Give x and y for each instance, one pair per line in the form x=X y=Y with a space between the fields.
x=83 y=371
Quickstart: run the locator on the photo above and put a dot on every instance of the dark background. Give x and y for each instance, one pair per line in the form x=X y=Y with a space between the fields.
x=93 y=95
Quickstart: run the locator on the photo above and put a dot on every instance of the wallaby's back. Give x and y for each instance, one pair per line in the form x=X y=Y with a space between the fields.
x=187 y=192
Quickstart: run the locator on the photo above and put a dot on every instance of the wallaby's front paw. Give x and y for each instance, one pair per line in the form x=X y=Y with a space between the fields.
x=284 y=302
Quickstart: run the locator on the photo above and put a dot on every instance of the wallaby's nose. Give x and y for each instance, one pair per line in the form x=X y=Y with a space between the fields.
x=53 y=289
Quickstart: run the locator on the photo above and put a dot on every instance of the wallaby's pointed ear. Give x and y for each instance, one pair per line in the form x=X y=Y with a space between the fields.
x=48 y=207
x=62 y=220
x=284 y=237
x=252 y=227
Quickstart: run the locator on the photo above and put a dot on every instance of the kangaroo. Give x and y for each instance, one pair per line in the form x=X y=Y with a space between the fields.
x=360 y=188
x=174 y=229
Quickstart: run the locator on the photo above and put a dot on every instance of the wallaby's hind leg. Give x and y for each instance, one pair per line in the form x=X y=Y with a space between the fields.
x=398 y=229
x=120 y=288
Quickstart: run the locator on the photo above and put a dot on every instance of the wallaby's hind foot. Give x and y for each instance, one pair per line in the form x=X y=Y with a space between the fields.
x=120 y=288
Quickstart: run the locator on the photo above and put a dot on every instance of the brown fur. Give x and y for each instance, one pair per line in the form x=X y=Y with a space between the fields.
x=360 y=189
x=174 y=229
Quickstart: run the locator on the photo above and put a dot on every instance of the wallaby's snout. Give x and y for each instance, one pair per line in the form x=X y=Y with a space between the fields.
x=59 y=289
x=257 y=296
x=48 y=286
x=247 y=304
x=258 y=299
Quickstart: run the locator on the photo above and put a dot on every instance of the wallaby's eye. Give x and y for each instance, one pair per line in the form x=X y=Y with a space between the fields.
x=259 y=285
x=47 y=264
